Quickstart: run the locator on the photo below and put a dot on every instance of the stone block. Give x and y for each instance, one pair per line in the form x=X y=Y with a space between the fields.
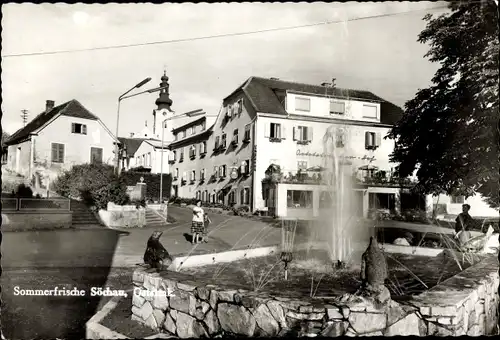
x=152 y=283
x=474 y=331
x=145 y=311
x=406 y=326
x=335 y=328
x=443 y=311
x=377 y=333
x=169 y=324
x=236 y=319
x=212 y=323
x=136 y=311
x=159 y=317
x=213 y=299
x=160 y=301
x=305 y=316
x=367 y=323
x=182 y=301
x=138 y=276
x=173 y=314
x=226 y=295
x=137 y=300
x=294 y=305
x=346 y=311
x=444 y=320
x=277 y=312
x=265 y=320
x=169 y=285
x=351 y=332
x=425 y=310
x=189 y=327
x=334 y=313
x=151 y=322
x=185 y=287
x=203 y=293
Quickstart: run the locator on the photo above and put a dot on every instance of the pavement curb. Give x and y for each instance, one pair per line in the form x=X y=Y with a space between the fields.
x=94 y=330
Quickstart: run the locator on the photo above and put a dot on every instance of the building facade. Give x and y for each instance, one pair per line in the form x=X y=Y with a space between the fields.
x=57 y=139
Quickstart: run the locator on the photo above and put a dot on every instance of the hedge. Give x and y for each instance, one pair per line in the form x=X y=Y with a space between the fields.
x=152 y=181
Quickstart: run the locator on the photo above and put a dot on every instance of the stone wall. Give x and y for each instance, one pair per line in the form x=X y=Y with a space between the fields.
x=176 y=304
x=36 y=220
x=123 y=216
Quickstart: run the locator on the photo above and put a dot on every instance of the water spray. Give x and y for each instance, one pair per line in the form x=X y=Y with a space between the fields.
x=288 y=228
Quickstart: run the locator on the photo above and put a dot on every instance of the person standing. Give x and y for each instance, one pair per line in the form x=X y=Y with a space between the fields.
x=197 y=225
x=206 y=223
x=464 y=222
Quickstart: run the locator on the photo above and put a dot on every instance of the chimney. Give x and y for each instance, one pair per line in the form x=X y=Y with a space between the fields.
x=49 y=105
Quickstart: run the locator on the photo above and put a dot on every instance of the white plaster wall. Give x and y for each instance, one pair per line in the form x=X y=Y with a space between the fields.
x=478 y=208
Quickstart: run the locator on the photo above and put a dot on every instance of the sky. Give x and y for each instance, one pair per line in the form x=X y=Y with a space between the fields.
x=380 y=55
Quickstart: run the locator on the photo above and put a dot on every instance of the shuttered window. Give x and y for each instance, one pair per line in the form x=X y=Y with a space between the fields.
x=57 y=153
x=337 y=108
x=95 y=155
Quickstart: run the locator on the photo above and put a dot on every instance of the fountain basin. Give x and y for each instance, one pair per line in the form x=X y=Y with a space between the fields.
x=199 y=306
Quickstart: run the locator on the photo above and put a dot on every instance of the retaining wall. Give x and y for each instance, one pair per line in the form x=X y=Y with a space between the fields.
x=123 y=216
x=174 y=302
x=36 y=220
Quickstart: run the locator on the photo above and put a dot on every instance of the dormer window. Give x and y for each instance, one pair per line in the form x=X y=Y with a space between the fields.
x=193 y=130
x=302 y=104
x=184 y=134
x=176 y=136
x=203 y=126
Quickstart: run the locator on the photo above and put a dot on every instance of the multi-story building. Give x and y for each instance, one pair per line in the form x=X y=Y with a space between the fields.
x=269 y=121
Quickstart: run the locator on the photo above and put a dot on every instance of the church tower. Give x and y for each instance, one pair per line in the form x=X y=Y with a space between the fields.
x=163 y=103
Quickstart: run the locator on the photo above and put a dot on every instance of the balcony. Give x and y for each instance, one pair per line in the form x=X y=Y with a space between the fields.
x=303 y=142
x=223 y=146
x=181 y=159
x=234 y=142
x=275 y=139
x=192 y=156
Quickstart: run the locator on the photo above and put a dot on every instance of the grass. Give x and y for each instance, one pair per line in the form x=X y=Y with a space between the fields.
x=120 y=320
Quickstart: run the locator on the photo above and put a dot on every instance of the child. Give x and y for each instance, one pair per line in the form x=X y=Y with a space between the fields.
x=197 y=225
x=206 y=223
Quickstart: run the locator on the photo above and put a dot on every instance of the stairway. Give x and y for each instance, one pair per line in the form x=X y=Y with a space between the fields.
x=82 y=214
x=155 y=219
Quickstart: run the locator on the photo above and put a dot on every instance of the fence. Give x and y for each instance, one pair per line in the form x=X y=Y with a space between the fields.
x=38 y=204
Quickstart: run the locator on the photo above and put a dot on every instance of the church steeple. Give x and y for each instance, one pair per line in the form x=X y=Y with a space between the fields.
x=164 y=101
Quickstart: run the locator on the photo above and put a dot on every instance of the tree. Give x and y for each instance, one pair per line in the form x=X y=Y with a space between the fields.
x=5 y=136
x=449 y=132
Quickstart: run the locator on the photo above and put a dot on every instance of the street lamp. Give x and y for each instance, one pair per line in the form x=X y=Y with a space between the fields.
x=124 y=96
x=163 y=126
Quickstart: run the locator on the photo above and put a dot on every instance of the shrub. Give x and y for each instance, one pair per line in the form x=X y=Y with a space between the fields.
x=95 y=184
x=241 y=210
x=140 y=169
x=24 y=191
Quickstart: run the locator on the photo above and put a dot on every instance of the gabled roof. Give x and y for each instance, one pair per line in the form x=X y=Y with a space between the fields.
x=189 y=124
x=131 y=144
x=264 y=95
x=194 y=138
x=73 y=108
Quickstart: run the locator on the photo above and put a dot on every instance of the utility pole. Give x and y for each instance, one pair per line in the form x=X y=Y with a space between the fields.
x=24 y=116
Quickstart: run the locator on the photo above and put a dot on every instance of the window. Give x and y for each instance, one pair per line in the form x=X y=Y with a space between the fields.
x=57 y=153
x=223 y=141
x=245 y=196
x=176 y=136
x=217 y=142
x=203 y=126
x=232 y=197
x=216 y=171
x=204 y=197
x=176 y=173
x=172 y=156
x=245 y=167
x=302 y=165
x=299 y=199
x=369 y=111
x=148 y=159
x=302 y=104
x=193 y=130
x=222 y=171
x=275 y=130
x=458 y=199
x=240 y=106
x=144 y=160
x=337 y=108
x=302 y=133
x=340 y=138
x=246 y=137
x=184 y=134
x=184 y=176
x=95 y=155
x=181 y=154
x=79 y=128
x=193 y=175
x=220 y=197
x=372 y=140
x=203 y=148
x=235 y=136
x=192 y=151
x=202 y=174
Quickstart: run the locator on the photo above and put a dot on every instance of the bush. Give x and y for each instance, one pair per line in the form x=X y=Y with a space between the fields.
x=24 y=191
x=95 y=184
x=241 y=210
x=152 y=183
x=140 y=169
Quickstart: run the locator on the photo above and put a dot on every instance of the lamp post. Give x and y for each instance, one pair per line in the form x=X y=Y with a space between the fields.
x=163 y=126
x=124 y=96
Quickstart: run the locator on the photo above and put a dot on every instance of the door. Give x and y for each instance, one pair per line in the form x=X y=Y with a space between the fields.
x=95 y=155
